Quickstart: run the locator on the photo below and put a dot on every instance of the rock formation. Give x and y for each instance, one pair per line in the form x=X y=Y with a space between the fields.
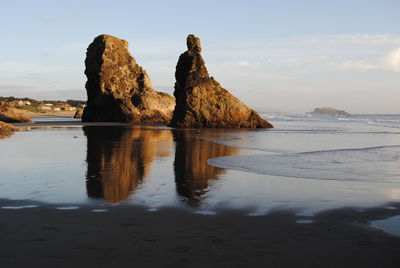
x=118 y=89
x=9 y=114
x=329 y=111
x=78 y=113
x=6 y=130
x=202 y=102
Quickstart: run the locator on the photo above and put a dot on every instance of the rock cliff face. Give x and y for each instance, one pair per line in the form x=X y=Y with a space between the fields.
x=9 y=114
x=202 y=102
x=118 y=89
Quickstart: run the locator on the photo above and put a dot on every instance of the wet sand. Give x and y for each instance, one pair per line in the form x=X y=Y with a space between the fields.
x=78 y=123
x=131 y=236
x=53 y=114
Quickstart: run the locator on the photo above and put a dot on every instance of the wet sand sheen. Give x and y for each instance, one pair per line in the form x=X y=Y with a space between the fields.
x=158 y=166
x=128 y=162
x=131 y=235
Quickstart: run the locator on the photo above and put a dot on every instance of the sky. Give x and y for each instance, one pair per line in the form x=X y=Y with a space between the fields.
x=276 y=56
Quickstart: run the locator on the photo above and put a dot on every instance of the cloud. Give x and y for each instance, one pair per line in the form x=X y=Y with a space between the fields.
x=6 y=87
x=17 y=67
x=243 y=63
x=357 y=65
x=15 y=90
x=393 y=60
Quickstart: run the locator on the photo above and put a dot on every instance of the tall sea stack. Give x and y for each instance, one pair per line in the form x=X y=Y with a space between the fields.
x=202 y=102
x=120 y=90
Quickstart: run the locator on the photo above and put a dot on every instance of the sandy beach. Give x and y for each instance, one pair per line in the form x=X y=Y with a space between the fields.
x=132 y=236
x=127 y=235
x=47 y=114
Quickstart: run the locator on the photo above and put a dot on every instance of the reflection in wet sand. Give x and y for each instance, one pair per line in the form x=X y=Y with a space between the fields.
x=192 y=171
x=119 y=158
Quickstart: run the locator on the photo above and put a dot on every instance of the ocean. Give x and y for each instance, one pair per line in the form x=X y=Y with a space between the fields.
x=306 y=164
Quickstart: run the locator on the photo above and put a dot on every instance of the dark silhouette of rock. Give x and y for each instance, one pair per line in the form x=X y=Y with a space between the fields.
x=9 y=114
x=202 y=102
x=329 y=111
x=118 y=89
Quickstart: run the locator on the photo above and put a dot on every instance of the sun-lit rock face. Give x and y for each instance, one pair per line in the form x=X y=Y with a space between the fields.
x=6 y=130
x=9 y=114
x=118 y=89
x=78 y=114
x=200 y=99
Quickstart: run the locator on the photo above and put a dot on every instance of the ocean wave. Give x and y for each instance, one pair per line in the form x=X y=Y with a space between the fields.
x=385 y=123
x=392 y=121
x=352 y=149
x=352 y=165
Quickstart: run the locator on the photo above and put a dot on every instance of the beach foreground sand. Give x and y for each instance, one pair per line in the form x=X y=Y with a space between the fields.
x=47 y=114
x=131 y=236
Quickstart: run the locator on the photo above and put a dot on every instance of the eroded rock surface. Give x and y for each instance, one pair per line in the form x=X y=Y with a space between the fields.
x=78 y=114
x=119 y=89
x=9 y=114
x=6 y=130
x=200 y=99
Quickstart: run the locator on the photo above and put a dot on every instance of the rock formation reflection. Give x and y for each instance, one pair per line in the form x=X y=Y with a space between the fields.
x=118 y=158
x=192 y=172
x=4 y=135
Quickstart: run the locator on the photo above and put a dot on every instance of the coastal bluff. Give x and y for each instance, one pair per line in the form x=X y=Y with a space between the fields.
x=200 y=99
x=118 y=89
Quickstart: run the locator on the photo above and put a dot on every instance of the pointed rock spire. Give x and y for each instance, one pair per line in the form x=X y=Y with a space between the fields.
x=202 y=102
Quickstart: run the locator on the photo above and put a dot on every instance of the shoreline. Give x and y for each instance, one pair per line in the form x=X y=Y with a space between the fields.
x=80 y=123
x=133 y=235
x=47 y=114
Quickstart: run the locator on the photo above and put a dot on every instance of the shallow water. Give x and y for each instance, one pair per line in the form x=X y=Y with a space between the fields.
x=390 y=225
x=306 y=164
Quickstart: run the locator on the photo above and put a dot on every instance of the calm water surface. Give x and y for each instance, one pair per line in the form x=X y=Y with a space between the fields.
x=308 y=164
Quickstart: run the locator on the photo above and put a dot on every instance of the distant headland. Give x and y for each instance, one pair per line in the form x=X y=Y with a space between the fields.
x=328 y=111
x=14 y=109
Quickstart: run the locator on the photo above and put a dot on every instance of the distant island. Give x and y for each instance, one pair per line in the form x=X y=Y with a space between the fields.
x=328 y=111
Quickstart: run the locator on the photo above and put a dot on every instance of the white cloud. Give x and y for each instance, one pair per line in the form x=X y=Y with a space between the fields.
x=357 y=65
x=393 y=59
x=17 y=67
x=243 y=63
